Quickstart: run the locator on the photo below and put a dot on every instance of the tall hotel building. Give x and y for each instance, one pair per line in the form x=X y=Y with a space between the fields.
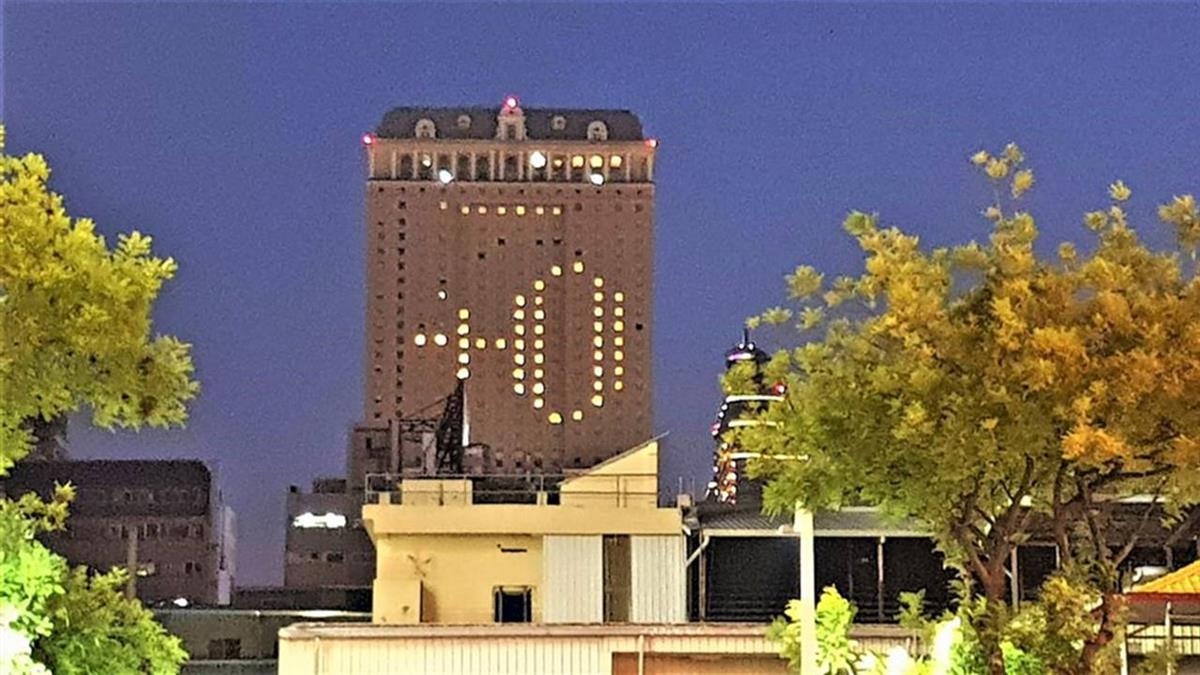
x=511 y=249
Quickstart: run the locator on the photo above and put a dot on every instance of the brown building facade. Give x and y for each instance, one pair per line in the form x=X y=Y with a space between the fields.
x=512 y=249
x=183 y=535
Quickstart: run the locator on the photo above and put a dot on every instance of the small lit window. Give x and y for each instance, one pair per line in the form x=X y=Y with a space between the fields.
x=599 y=283
x=519 y=389
x=463 y=373
x=618 y=311
x=519 y=301
x=619 y=296
x=597 y=341
x=539 y=315
x=419 y=340
x=598 y=371
x=540 y=210
x=463 y=329
x=618 y=385
x=519 y=329
x=425 y=129
x=464 y=209
x=520 y=209
x=439 y=340
x=538 y=373
x=597 y=326
x=538 y=403
x=519 y=359
x=598 y=312
x=618 y=326
x=577 y=415
x=558 y=123
x=464 y=343
x=577 y=161
x=619 y=341
x=538 y=344
x=501 y=210
x=443 y=205
x=596 y=161
x=518 y=373
x=538 y=300
x=556 y=270
x=577 y=267
x=539 y=329
x=597 y=400
x=539 y=358
x=555 y=418
x=464 y=313
x=519 y=344
x=481 y=209
x=619 y=371
x=442 y=295
x=615 y=161
x=539 y=388
x=501 y=343
x=598 y=296
x=539 y=285
x=464 y=358
x=597 y=131
x=426 y=161
x=618 y=355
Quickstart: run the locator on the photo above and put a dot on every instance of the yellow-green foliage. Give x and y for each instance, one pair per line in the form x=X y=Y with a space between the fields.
x=977 y=385
x=75 y=326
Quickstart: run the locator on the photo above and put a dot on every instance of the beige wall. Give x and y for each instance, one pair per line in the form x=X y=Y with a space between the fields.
x=418 y=236
x=456 y=574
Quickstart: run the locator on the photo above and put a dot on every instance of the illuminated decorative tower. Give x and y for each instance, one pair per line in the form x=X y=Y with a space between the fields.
x=729 y=459
x=511 y=249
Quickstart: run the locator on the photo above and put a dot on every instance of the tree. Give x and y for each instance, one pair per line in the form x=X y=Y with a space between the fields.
x=75 y=331
x=980 y=389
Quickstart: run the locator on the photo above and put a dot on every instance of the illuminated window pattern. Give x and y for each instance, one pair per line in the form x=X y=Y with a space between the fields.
x=507 y=209
x=607 y=341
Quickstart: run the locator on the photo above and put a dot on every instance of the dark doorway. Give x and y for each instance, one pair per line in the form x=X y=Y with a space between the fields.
x=513 y=604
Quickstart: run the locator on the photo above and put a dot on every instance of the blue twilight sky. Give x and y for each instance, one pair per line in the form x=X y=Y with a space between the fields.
x=230 y=132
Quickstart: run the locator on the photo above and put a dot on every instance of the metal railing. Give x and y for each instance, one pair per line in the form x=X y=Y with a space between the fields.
x=623 y=489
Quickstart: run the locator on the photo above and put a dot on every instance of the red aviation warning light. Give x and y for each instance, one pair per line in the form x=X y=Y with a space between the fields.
x=368 y=139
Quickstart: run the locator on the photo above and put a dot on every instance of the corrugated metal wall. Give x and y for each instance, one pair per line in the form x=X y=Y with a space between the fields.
x=659 y=579
x=572 y=580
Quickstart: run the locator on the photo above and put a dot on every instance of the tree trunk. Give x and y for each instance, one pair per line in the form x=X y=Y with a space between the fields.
x=991 y=623
x=1104 y=635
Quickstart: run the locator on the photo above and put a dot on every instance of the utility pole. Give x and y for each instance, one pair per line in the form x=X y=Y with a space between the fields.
x=803 y=524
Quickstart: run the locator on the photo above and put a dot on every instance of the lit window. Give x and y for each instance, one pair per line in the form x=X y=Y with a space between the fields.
x=598 y=312
x=539 y=285
x=518 y=373
x=538 y=329
x=577 y=161
x=519 y=389
x=577 y=415
x=598 y=326
x=463 y=373
x=501 y=343
x=618 y=355
x=615 y=161
x=538 y=300
x=577 y=267
x=426 y=161
x=618 y=385
x=519 y=359
x=464 y=314
x=539 y=315
x=598 y=355
x=419 y=340
x=519 y=300
x=539 y=358
x=464 y=358
x=556 y=271
x=481 y=208
x=598 y=371
x=538 y=344
x=619 y=371
x=598 y=282
x=501 y=210
x=439 y=340
x=555 y=418
x=597 y=131
x=520 y=208
x=539 y=388
x=558 y=123
x=618 y=326
x=464 y=343
x=597 y=385
x=445 y=176
x=519 y=344
x=597 y=342
x=519 y=315
x=463 y=329
x=619 y=341
x=596 y=161
x=597 y=400
x=537 y=160
x=556 y=210
x=540 y=210
x=519 y=329
x=442 y=294
x=619 y=296
x=538 y=403
x=618 y=311
x=464 y=209
x=538 y=373
x=480 y=343
x=443 y=205
x=598 y=296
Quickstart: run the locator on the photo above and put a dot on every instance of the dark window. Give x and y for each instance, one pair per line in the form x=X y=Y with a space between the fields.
x=500 y=241
x=225 y=649
x=618 y=578
x=539 y=242
x=512 y=604
x=402 y=205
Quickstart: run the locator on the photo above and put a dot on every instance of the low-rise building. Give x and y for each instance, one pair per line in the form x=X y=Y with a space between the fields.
x=164 y=518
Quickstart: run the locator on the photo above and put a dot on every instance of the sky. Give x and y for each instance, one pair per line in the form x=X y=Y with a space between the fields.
x=230 y=133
